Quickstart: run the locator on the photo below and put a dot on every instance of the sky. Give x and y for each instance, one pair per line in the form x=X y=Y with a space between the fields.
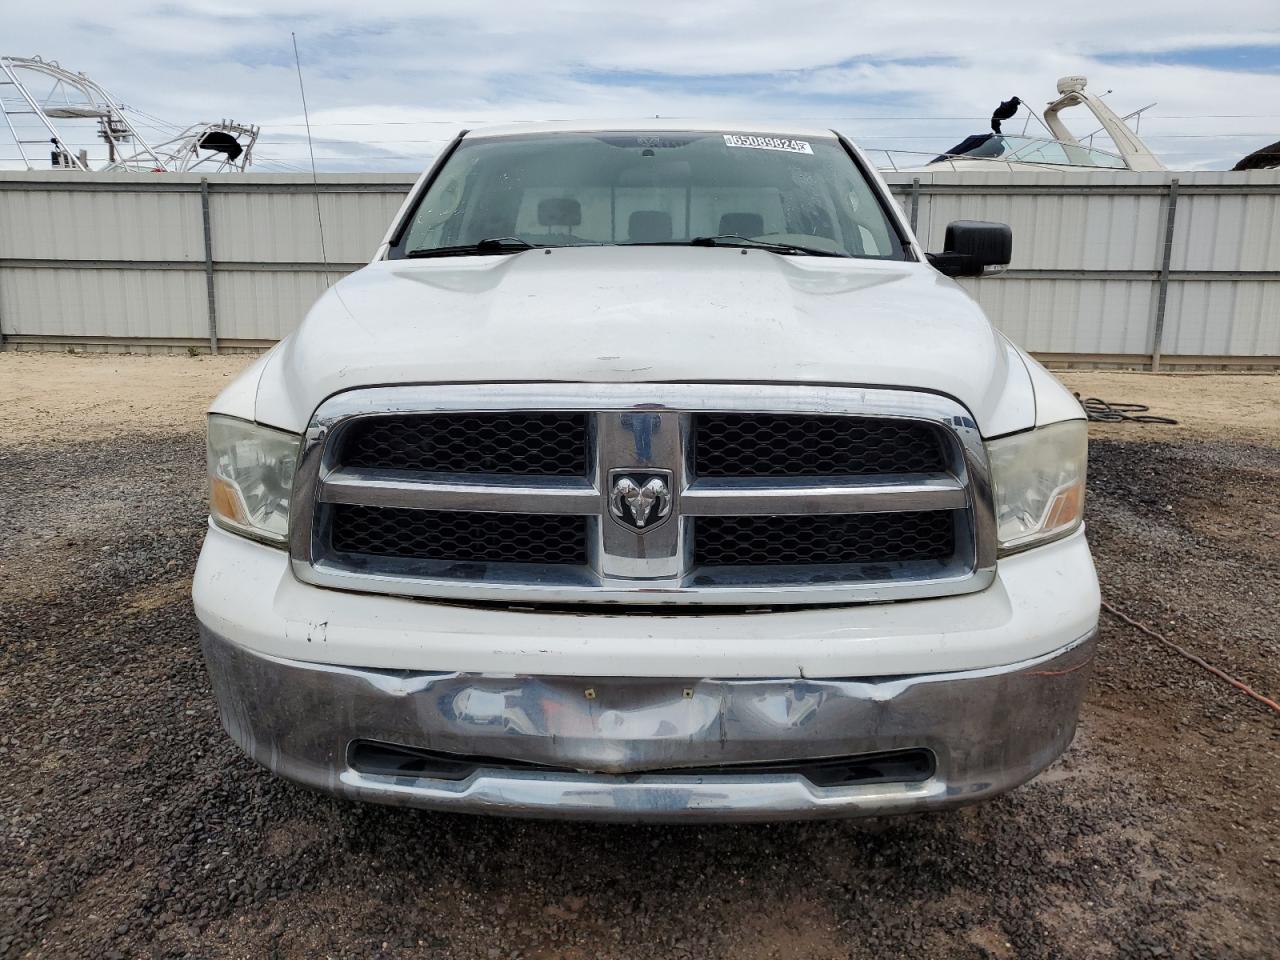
x=390 y=83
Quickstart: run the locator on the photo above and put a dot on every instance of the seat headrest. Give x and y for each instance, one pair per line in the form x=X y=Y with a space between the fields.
x=816 y=222
x=559 y=212
x=742 y=224
x=649 y=226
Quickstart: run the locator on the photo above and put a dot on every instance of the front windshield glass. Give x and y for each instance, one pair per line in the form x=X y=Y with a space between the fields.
x=567 y=189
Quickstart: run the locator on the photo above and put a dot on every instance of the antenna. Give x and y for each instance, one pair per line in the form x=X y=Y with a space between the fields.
x=315 y=182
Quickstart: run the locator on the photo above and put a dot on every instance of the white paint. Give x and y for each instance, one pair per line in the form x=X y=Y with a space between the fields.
x=708 y=314
x=1042 y=600
x=239 y=397
x=703 y=315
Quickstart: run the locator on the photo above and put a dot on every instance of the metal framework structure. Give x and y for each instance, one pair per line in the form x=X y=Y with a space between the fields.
x=222 y=147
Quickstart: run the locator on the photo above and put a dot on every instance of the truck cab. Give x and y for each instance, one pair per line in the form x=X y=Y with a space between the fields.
x=651 y=472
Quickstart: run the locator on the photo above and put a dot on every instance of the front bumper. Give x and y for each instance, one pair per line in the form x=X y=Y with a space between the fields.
x=988 y=730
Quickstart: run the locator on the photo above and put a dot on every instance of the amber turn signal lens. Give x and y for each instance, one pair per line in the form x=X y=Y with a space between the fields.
x=1067 y=508
x=224 y=502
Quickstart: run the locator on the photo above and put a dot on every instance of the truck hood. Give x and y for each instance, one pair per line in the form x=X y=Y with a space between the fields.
x=643 y=315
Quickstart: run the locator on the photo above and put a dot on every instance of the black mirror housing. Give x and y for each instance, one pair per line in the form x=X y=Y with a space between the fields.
x=971 y=246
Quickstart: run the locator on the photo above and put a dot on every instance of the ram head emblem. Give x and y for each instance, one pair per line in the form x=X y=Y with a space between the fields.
x=640 y=499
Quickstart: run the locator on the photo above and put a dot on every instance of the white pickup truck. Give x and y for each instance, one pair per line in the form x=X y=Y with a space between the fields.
x=651 y=471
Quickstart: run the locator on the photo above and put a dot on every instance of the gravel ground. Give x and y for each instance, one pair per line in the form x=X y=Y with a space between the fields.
x=131 y=827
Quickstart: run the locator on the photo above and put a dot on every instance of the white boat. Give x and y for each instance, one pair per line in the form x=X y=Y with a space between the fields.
x=1060 y=151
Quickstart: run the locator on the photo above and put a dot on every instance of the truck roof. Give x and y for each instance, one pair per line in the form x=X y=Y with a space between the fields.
x=668 y=124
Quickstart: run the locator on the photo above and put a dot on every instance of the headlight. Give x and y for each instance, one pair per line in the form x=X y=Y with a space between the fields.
x=1039 y=483
x=250 y=477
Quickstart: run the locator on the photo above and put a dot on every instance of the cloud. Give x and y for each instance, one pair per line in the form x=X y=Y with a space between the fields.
x=389 y=87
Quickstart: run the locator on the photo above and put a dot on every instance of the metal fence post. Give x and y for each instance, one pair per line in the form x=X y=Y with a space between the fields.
x=915 y=201
x=208 y=265
x=1162 y=291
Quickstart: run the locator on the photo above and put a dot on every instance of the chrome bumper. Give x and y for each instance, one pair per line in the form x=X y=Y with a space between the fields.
x=988 y=730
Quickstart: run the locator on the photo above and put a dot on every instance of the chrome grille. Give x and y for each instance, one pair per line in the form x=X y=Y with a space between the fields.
x=803 y=445
x=766 y=495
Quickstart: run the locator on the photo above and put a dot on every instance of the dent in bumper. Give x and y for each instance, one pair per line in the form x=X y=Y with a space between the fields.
x=989 y=731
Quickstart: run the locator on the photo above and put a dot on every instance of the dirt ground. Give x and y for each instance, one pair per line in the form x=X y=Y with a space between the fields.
x=1207 y=406
x=131 y=827
x=94 y=396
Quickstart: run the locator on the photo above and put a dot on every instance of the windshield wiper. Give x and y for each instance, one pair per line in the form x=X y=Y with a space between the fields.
x=490 y=245
x=734 y=240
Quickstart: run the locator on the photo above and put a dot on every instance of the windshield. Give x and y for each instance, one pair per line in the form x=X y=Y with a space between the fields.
x=568 y=189
x=1033 y=150
x=991 y=146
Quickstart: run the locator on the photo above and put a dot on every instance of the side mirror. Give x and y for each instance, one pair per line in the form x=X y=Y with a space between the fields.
x=971 y=246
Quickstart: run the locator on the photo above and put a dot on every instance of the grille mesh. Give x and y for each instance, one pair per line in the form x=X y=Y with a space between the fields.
x=532 y=444
x=788 y=445
x=843 y=539
x=461 y=536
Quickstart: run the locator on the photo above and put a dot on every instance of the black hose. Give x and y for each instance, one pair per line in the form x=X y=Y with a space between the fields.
x=1102 y=411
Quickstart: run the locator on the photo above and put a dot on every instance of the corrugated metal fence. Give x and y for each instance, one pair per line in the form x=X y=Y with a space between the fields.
x=1172 y=270
x=1121 y=267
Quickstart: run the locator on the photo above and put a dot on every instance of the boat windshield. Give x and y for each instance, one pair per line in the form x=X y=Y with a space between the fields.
x=1033 y=150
